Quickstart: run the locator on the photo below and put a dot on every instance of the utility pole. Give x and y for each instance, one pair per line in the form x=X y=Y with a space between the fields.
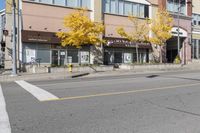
x=14 y=61
x=18 y=33
x=179 y=6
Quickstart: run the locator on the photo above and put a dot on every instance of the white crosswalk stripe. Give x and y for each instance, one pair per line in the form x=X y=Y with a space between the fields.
x=4 y=119
x=40 y=94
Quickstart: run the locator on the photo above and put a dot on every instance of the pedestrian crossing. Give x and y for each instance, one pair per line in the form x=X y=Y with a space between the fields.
x=4 y=119
x=40 y=94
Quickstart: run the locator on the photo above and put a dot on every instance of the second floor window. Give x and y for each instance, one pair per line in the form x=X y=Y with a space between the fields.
x=69 y=3
x=122 y=7
x=177 y=6
x=196 y=19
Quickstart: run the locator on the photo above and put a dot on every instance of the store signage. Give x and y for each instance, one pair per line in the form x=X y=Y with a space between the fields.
x=84 y=57
x=182 y=32
x=38 y=39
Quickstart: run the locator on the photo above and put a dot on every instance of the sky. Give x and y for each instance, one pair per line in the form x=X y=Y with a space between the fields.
x=2 y=2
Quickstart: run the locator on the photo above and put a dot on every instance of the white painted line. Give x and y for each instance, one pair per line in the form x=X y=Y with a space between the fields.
x=4 y=120
x=37 y=92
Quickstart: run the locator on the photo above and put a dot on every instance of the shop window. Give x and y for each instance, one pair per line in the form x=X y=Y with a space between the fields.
x=43 y=56
x=73 y=54
x=85 y=57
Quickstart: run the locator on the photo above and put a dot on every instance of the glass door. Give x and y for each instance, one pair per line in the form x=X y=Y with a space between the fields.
x=54 y=58
x=62 y=57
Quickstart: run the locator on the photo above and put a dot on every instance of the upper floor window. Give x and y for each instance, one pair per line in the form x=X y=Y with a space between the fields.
x=196 y=19
x=177 y=6
x=122 y=7
x=69 y=3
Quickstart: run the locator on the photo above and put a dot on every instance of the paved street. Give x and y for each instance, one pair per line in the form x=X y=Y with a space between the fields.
x=142 y=103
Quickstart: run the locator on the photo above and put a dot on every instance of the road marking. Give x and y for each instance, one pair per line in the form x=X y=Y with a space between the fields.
x=37 y=92
x=4 y=119
x=121 y=92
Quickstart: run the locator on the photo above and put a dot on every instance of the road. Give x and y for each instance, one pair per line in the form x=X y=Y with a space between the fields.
x=143 y=103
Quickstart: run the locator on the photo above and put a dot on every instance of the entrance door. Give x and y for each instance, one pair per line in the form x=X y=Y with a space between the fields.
x=118 y=57
x=62 y=57
x=54 y=57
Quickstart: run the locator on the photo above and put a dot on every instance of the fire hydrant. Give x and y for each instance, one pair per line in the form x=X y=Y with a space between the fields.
x=70 y=68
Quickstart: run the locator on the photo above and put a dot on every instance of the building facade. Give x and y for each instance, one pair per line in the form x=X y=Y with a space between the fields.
x=2 y=38
x=181 y=11
x=196 y=30
x=115 y=15
x=39 y=20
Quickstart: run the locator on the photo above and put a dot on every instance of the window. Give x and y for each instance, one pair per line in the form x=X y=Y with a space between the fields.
x=121 y=7
x=175 y=6
x=196 y=19
x=60 y=2
x=135 y=10
x=73 y=3
x=107 y=6
x=127 y=8
x=113 y=6
x=69 y=3
x=43 y=55
x=86 y=4
x=46 y=1
x=141 y=11
x=73 y=54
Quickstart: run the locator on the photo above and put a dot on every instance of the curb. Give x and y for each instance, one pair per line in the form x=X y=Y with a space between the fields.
x=79 y=75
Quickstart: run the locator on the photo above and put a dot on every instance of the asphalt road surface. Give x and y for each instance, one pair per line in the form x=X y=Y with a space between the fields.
x=146 y=103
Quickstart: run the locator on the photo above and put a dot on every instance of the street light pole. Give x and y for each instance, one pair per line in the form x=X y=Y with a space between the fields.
x=178 y=29
x=14 y=63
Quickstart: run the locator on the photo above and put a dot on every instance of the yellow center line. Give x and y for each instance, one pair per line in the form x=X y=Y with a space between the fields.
x=120 y=92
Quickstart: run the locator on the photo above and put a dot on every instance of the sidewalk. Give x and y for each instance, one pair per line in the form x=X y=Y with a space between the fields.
x=66 y=75
x=41 y=76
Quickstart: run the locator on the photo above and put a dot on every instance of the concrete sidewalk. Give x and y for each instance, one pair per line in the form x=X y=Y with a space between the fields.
x=143 y=69
x=41 y=76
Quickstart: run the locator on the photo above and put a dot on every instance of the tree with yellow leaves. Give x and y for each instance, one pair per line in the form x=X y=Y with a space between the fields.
x=161 y=29
x=80 y=30
x=139 y=32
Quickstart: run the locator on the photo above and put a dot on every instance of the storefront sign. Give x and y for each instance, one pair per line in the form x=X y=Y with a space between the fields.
x=39 y=37
x=127 y=58
x=84 y=57
x=30 y=55
x=120 y=42
x=182 y=32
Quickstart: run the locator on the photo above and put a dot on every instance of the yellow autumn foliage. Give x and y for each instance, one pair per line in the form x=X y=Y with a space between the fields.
x=161 y=28
x=140 y=30
x=80 y=30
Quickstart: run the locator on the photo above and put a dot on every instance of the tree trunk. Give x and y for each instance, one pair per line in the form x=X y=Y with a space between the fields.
x=161 y=57
x=137 y=54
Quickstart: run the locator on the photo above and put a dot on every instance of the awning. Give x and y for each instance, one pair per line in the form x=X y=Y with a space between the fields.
x=39 y=37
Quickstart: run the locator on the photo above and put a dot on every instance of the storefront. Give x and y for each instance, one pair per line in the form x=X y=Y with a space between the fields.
x=45 y=49
x=121 y=51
